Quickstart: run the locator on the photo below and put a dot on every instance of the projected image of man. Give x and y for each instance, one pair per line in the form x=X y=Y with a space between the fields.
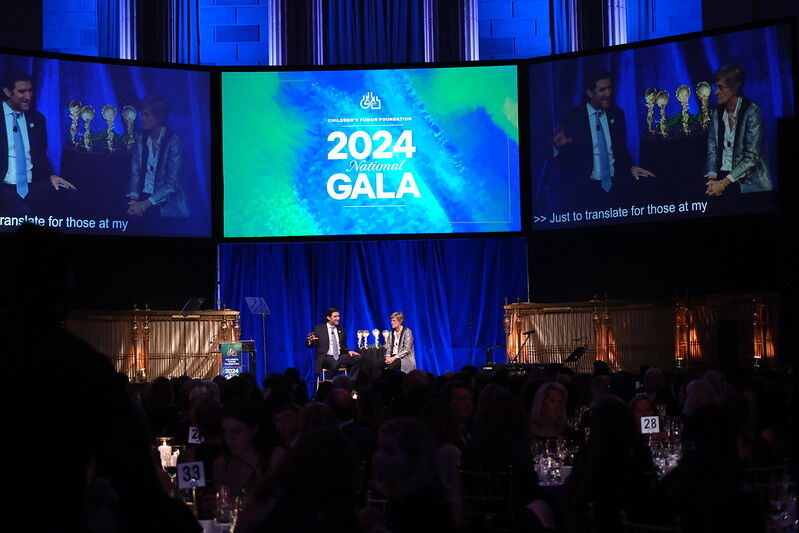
x=157 y=166
x=590 y=149
x=29 y=182
x=735 y=155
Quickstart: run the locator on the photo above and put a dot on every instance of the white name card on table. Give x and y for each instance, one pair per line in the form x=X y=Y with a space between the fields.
x=191 y=475
x=650 y=424
x=194 y=435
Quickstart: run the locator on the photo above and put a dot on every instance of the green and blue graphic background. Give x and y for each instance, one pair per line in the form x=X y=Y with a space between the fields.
x=275 y=151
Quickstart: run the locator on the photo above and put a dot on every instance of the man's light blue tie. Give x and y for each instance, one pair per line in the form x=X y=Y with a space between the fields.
x=604 y=159
x=336 y=348
x=22 y=166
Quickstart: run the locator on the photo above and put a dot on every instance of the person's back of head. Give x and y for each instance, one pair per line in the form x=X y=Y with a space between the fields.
x=159 y=394
x=697 y=394
x=319 y=488
x=208 y=417
x=716 y=379
x=200 y=387
x=236 y=387
x=293 y=374
x=317 y=416
x=503 y=417
x=411 y=438
x=601 y=368
x=709 y=441
x=343 y=382
x=341 y=403
x=437 y=414
x=613 y=434
x=369 y=407
x=415 y=380
x=469 y=370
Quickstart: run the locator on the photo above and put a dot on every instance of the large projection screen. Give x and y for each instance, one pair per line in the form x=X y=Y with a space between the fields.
x=370 y=152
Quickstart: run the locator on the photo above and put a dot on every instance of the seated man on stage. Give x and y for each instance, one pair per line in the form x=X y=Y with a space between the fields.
x=401 y=354
x=330 y=343
x=29 y=183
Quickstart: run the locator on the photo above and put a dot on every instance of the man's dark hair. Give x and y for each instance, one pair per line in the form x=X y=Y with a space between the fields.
x=330 y=311
x=447 y=391
x=11 y=77
x=157 y=105
x=733 y=75
x=594 y=76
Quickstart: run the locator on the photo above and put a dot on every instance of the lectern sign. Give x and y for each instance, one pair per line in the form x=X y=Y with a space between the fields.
x=231 y=359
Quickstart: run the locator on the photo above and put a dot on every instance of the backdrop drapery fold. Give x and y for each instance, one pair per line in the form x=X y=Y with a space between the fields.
x=185 y=32
x=108 y=28
x=451 y=291
x=373 y=31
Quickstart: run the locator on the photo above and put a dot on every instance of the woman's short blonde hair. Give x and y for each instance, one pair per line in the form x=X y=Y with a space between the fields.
x=399 y=316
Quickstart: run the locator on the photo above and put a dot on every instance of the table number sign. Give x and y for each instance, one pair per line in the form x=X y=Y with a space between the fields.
x=191 y=475
x=194 y=435
x=650 y=424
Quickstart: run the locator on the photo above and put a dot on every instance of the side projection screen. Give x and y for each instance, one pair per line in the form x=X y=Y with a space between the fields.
x=364 y=152
x=679 y=130
x=104 y=149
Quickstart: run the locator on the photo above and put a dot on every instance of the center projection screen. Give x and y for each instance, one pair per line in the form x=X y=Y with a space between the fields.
x=370 y=152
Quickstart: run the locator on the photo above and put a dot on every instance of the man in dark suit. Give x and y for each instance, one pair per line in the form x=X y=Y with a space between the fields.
x=330 y=343
x=590 y=149
x=28 y=180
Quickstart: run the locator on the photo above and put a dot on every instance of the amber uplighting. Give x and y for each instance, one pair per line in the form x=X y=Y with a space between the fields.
x=686 y=341
x=762 y=342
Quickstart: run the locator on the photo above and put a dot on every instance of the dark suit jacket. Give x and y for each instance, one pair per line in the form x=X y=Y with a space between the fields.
x=37 y=136
x=323 y=344
x=576 y=159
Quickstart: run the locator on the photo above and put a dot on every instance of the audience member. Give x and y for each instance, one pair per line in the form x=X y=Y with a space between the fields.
x=548 y=412
x=248 y=461
x=501 y=441
x=405 y=470
x=607 y=473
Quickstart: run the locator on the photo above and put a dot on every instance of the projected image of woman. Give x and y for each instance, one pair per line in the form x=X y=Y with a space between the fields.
x=401 y=354
x=157 y=165
x=735 y=151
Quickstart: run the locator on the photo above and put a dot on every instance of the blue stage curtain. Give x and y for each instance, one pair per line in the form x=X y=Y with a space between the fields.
x=185 y=47
x=561 y=28
x=639 y=15
x=373 y=31
x=108 y=28
x=451 y=292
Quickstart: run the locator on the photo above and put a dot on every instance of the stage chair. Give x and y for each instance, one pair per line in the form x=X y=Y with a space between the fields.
x=638 y=527
x=488 y=500
x=323 y=375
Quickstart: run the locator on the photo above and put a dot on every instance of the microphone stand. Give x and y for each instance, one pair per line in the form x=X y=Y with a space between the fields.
x=519 y=352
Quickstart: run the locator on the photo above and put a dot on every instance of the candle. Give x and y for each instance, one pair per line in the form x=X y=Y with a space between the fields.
x=165 y=451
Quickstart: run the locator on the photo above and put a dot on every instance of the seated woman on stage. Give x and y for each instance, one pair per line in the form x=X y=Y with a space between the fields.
x=401 y=354
x=735 y=138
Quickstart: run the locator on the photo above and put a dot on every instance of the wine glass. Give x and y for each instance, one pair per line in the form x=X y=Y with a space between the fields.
x=778 y=497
